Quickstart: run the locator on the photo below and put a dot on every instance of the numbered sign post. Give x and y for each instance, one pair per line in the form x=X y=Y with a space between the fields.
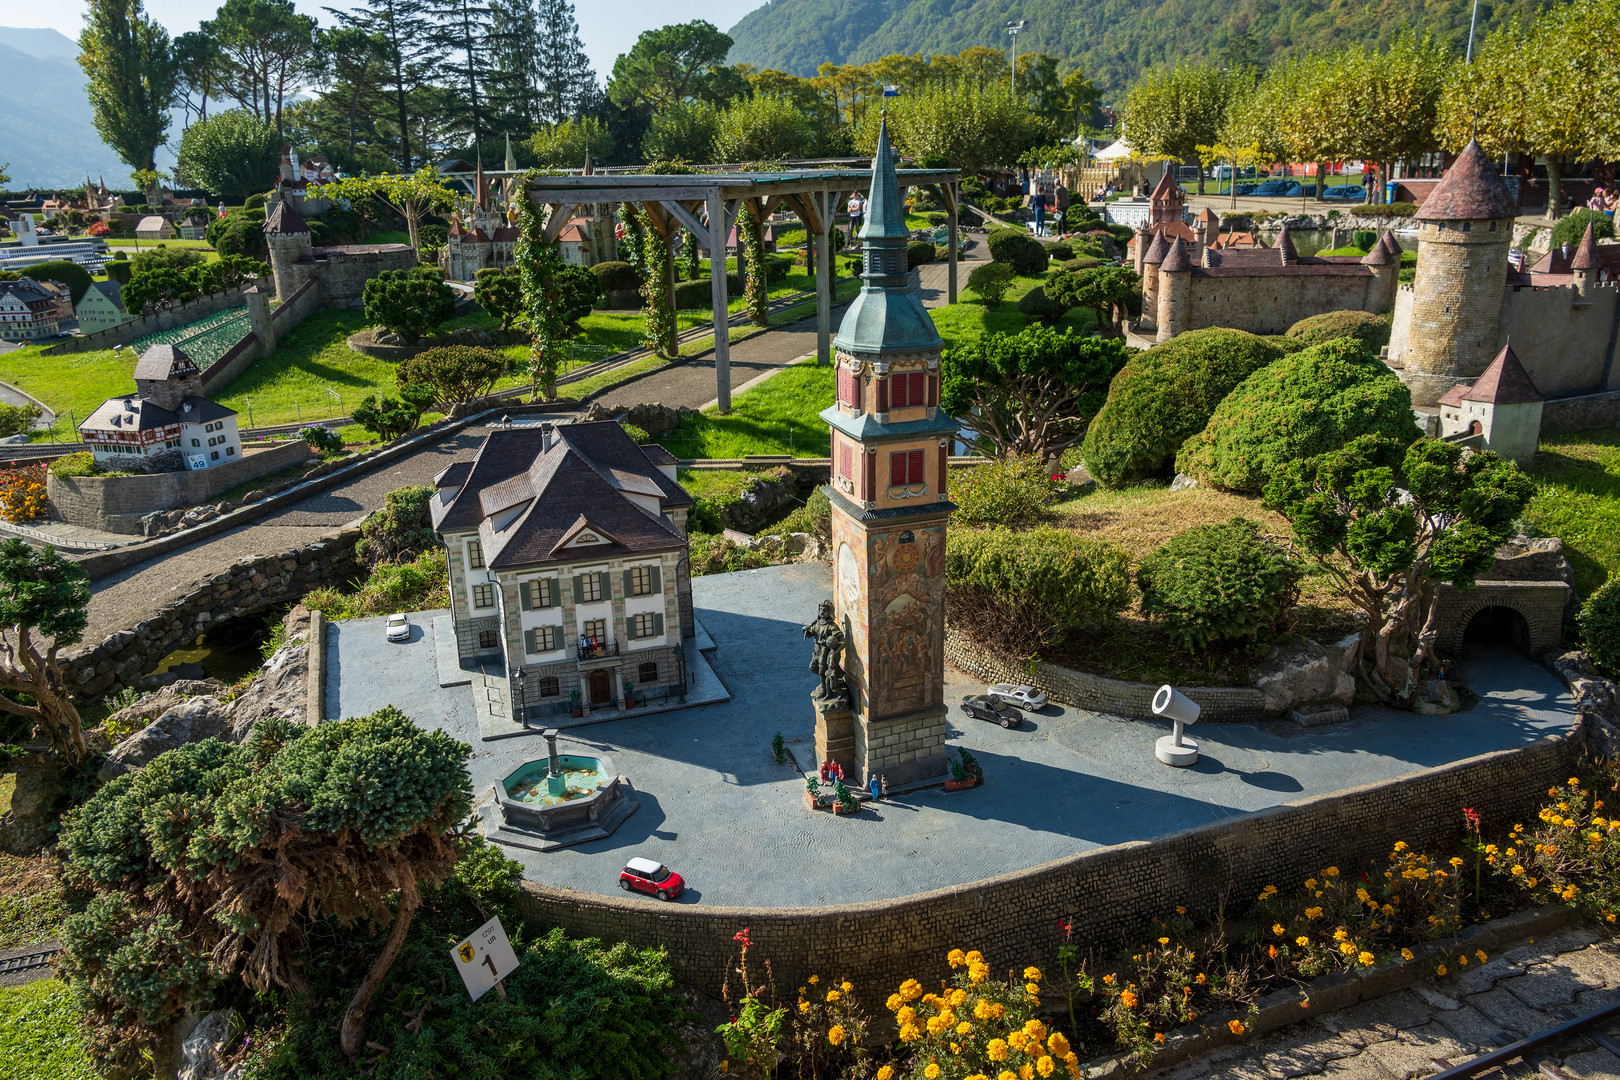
x=484 y=959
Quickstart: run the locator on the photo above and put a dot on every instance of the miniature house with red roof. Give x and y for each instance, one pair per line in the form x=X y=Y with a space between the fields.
x=1503 y=408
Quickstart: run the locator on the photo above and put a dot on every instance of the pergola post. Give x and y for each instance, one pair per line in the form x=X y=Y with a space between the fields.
x=717 y=293
x=824 y=284
x=948 y=192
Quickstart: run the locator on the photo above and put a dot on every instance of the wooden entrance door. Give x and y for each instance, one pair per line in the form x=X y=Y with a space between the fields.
x=601 y=687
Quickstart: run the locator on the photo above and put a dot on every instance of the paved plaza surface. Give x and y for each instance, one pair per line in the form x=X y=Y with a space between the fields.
x=716 y=807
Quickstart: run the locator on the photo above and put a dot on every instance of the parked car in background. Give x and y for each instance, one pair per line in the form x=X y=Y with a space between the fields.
x=1244 y=189
x=1274 y=188
x=1023 y=697
x=648 y=876
x=985 y=707
x=399 y=627
x=1352 y=192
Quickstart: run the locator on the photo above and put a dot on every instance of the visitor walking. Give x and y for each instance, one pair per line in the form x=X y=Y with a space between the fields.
x=1038 y=203
x=857 y=213
x=876 y=787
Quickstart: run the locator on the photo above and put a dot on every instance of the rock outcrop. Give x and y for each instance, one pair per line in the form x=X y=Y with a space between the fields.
x=192 y=720
x=1299 y=673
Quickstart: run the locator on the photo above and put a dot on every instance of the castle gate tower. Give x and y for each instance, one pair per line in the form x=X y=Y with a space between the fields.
x=288 y=237
x=1465 y=228
x=890 y=445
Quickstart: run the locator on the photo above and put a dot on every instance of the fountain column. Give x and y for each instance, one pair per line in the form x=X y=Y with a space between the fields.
x=556 y=783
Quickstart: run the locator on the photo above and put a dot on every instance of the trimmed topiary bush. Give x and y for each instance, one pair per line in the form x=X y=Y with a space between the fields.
x=1022 y=593
x=1011 y=492
x=919 y=252
x=118 y=271
x=1059 y=251
x=1015 y=247
x=1364 y=239
x=1164 y=396
x=71 y=274
x=1219 y=584
x=1369 y=329
x=1599 y=623
x=616 y=276
x=1572 y=228
x=1081 y=262
x=1042 y=308
x=411 y=303
x=1394 y=209
x=1310 y=403
x=991 y=280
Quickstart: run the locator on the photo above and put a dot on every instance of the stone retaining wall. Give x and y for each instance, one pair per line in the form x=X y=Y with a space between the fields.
x=117 y=503
x=247 y=587
x=1111 y=895
x=1221 y=704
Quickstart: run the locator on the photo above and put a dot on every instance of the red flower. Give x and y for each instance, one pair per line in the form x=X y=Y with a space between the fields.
x=742 y=936
x=1066 y=927
x=1471 y=816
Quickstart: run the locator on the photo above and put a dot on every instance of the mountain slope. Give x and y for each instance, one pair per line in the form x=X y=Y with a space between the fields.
x=1113 y=41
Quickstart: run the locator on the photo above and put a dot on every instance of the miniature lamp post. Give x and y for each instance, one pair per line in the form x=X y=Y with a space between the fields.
x=517 y=697
x=556 y=782
x=680 y=666
x=1176 y=749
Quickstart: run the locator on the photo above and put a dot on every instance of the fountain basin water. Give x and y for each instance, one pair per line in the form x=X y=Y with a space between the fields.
x=553 y=802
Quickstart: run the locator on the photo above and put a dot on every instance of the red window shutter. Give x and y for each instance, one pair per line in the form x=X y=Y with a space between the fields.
x=918 y=394
x=843 y=386
x=933 y=390
x=897 y=468
x=882 y=396
x=942 y=459
x=843 y=461
x=915 y=471
x=897 y=391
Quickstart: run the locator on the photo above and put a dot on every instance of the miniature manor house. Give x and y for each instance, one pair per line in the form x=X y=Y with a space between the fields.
x=568 y=564
x=167 y=424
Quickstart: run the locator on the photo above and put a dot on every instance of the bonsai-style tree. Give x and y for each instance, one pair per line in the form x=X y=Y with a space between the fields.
x=451 y=374
x=412 y=196
x=43 y=607
x=387 y=417
x=218 y=861
x=1387 y=527
x=411 y=303
x=991 y=281
x=499 y=294
x=1104 y=289
x=1029 y=393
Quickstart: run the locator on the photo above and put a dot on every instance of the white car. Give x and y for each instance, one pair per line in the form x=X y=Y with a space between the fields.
x=399 y=627
x=1025 y=697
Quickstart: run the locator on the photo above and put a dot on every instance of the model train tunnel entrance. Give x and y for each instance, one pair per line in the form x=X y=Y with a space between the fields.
x=1497 y=625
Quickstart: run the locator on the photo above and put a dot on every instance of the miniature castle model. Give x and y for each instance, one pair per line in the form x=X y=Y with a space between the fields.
x=568 y=562
x=482 y=235
x=167 y=421
x=1467 y=300
x=890 y=445
x=1503 y=408
x=295 y=178
x=339 y=270
x=27 y=311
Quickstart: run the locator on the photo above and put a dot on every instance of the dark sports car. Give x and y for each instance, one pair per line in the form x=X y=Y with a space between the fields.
x=988 y=708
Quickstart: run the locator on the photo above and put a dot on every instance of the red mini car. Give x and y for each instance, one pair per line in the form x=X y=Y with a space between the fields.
x=645 y=875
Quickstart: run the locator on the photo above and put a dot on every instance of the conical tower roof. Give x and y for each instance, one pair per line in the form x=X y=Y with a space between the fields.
x=1157 y=250
x=886 y=317
x=511 y=162
x=284 y=220
x=1586 y=256
x=1176 y=260
x=1471 y=190
x=1505 y=382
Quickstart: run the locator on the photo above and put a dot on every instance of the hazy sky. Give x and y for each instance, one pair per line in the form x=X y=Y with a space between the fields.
x=607 y=29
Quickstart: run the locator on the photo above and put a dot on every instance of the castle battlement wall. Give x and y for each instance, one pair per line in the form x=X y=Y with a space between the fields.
x=1562 y=336
x=1270 y=303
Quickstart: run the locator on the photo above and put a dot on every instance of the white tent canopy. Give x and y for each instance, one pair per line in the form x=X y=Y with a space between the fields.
x=1120 y=149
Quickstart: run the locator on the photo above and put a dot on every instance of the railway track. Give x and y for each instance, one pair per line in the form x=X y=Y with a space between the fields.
x=13 y=965
x=1581 y=1025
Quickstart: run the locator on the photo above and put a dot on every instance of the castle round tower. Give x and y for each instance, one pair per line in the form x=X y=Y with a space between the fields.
x=290 y=248
x=1465 y=228
x=1157 y=250
x=1175 y=291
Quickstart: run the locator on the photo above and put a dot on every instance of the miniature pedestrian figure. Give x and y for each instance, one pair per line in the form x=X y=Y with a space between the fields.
x=884 y=784
x=857 y=211
x=877 y=788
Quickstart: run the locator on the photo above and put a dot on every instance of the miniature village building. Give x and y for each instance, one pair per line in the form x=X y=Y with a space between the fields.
x=101 y=307
x=167 y=422
x=482 y=235
x=339 y=271
x=155 y=227
x=890 y=446
x=27 y=312
x=568 y=564
x=1503 y=408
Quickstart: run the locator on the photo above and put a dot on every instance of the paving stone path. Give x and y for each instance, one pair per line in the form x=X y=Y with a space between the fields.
x=1440 y=1023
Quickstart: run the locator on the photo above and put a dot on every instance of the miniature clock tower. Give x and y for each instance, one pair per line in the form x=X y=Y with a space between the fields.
x=890 y=444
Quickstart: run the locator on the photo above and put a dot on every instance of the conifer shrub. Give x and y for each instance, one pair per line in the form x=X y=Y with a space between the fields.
x=1599 y=623
x=1019 y=250
x=1312 y=402
x=616 y=276
x=1011 y=492
x=1041 y=307
x=1165 y=395
x=1081 y=262
x=919 y=252
x=1060 y=251
x=1219 y=584
x=1021 y=593
x=991 y=281
x=1369 y=329
x=1570 y=230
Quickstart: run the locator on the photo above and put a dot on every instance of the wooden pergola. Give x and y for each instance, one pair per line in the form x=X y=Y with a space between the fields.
x=686 y=202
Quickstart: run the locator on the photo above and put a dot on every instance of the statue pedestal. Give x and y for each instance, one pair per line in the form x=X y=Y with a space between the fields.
x=835 y=735
x=905 y=748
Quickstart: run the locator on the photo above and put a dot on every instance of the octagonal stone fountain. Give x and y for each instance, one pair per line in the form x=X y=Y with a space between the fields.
x=557 y=801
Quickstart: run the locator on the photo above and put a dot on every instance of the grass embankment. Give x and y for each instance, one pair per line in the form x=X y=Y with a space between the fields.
x=970 y=318
x=779 y=416
x=1578 y=498
x=40 y=1034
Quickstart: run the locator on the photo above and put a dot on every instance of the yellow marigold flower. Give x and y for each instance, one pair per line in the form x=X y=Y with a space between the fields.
x=886 y=1073
x=909 y=1033
x=956 y=958
x=1313 y=912
x=1236 y=1026
x=1568 y=893
x=932 y=1071
x=997 y=1010
x=893 y=1004
x=1035 y=1030
x=1017 y=1040
x=1517 y=871
x=1026 y=1071
x=1045 y=1065
x=1199 y=979
x=956 y=1048
x=1456 y=861
x=1332 y=871
x=974 y=956
x=1278 y=929
x=957 y=997
x=725 y=1066
x=1388 y=909
x=1406 y=954
x=1071 y=1059
x=1440 y=971
x=1302 y=941
x=835 y=1034
x=963 y=1028
x=1032 y=988
x=910 y=990
x=804 y=1006
x=1481 y=954
x=832 y=996
x=1340 y=934
x=1362 y=895
x=1058 y=1044
x=1400 y=845
x=996 y=1049
x=1462 y=959
x=1348 y=948
x=1007 y=1074
x=817 y=978
x=1108 y=979
x=981 y=1010
x=846 y=987
x=1032 y=974
x=978 y=1076
x=1365 y=958
x=1574 y=782
x=906 y=1015
x=1310 y=883
x=1127 y=999
x=977 y=973
x=1164 y=941
x=935 y=1025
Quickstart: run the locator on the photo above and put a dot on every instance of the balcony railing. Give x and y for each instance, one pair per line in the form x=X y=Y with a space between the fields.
x=599 y=651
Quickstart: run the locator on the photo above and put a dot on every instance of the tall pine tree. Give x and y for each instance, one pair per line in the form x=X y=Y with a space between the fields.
x=465 y=37
x=515 y=53
x=567 y=83
x=403 y=27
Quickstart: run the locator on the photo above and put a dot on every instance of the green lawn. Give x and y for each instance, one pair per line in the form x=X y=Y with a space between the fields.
x=40 y=1034
x=969 y=318
x=779 y=416
x=1578 y=498
x=71 y=384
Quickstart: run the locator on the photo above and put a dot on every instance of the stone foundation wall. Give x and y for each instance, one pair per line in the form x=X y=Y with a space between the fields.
x=903 y=748
x=1273 y=303
x=245 y=588
x=1111 y=894
x=1583 y=413
x=1221 y=704
x=117 y=503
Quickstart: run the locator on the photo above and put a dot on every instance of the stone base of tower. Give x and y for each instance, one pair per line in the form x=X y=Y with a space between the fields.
x=904 y=748
x=1429 y=389
x=835 y=735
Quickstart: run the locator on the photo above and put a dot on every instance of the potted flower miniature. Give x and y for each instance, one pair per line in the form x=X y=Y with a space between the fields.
x=573 y=701
x=812 y=792
x=844 y=801
x=965 y=772
x=629 y=694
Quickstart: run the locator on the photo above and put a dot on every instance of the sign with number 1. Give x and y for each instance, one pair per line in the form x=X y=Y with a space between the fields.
x=484 y=958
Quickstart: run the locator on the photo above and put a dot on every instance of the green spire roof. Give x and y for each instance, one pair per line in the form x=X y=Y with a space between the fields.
x=886 y=317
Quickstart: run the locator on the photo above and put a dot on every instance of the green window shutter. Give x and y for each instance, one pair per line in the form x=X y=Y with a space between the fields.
x=523 y=595
x=579 y=590
x=629 y=583
x=528 y=642
x=553 y=597
x=657 y=581
x=658 y=624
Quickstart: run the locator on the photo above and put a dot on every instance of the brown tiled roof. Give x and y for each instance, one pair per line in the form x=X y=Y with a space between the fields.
x=1167 y=190
x=1216 y=256
x=1177 y=259
x=1285 y=247
x=607 y=445
x=506 y=234
x=1391 y=244
x=506 y=452
x=1380 y=255
x=1505 y=382
x=1454 y=396
x=1561 y=260
x=1471 y=190
x=1157 y=250
x=284 y=219
x=1208 y=216
x=1586 y=255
